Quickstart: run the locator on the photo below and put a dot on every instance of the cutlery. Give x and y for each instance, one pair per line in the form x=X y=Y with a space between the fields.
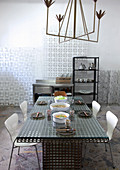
x=85 y=113
x=79 y=102
x=39 y=114
x=65 y=130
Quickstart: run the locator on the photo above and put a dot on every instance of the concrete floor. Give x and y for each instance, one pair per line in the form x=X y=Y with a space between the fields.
x=96 y=158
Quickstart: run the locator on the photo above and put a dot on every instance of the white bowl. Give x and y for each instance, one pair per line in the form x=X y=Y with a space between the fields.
x=60 y=120
x=57 y=100
x=57 y=106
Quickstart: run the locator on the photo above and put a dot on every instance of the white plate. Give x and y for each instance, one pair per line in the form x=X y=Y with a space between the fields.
x=53 y=108
x=60 y=120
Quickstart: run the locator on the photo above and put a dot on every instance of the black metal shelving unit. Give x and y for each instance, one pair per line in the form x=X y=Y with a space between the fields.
x=86 y=77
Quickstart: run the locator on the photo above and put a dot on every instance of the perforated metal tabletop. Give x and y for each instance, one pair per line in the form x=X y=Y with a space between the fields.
x=35 y=130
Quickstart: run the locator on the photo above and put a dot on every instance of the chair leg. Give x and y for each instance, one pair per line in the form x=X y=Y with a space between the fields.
x=111 y=156
x=105 y=147
x=11 y=157
x=37 y=156
x=19 y=150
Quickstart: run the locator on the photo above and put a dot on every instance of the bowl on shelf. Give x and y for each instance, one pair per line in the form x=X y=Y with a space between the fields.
x=59 y=106
x=60 y=117
x=62 y=99
x=85 y=92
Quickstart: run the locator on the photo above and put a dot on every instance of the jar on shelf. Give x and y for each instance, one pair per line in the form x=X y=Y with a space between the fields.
x=90 y=66
x=93 y=66
x=81 y=66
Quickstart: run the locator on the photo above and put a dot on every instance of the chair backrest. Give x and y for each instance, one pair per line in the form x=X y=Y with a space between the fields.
x=111 y=123
x=11 y=124
x=95 y=108
x=23 y=107
x=60 y=93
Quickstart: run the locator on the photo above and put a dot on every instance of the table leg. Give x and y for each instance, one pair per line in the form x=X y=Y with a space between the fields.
x=62 y=154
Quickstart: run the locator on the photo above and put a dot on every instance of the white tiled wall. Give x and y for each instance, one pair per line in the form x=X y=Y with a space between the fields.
x=59 y=56
x=16 y=75
x=20 y=67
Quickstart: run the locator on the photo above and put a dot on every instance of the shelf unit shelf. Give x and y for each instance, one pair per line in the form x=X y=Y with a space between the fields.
x=86 y=70
x=85 y=82
x=86 y=78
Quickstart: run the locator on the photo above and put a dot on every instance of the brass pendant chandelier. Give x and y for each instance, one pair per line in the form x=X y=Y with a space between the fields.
x=86 y=34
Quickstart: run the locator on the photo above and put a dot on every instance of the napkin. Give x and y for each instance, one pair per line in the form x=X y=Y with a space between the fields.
x=41 y=103
x=66 y=132
x=84 y=114
x=79 y=102
x=37 y=115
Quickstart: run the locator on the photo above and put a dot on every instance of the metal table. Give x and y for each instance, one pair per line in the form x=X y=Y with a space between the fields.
x=61 y=152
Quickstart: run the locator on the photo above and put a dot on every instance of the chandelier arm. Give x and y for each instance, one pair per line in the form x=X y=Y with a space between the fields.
x=68 y=18
x=62 y=36
x=65 y=14
x=84 y=21
x=98 y=30
x=82 y=17
x=59 y=33
x=97 y=33
x=91 y=32
x=94 y=17
x=67 y=40
x=90 y=40
x=74 y=30
x=71 y=38
x=86 y=34
x=47 y=20
x=67 y=37
x=93 y=20
x=87 y=40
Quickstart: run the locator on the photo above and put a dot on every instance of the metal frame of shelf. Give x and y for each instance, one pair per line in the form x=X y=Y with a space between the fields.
x=95 y=71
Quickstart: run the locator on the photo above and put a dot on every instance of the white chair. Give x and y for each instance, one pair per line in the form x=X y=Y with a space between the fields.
x=112 y=121
x=23 y=107
x=11 y=124
x=95 y=108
